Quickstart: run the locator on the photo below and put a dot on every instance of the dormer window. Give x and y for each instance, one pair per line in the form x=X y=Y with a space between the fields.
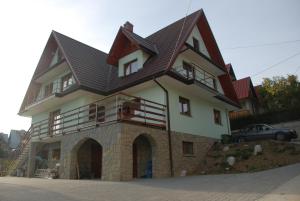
x=196 y=44
x=67 y=81
x=130 y=67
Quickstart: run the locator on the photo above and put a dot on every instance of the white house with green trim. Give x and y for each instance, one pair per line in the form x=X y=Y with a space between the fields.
x=151 y=107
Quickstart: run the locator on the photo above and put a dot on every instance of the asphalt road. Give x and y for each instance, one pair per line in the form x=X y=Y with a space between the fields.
x=276 y=184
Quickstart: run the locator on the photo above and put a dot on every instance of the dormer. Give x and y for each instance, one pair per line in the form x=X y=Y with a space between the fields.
x=130 y=51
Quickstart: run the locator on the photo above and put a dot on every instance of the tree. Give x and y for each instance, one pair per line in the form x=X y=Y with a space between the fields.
x=280 y=93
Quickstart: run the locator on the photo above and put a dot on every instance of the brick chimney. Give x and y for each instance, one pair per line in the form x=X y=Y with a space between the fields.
x=128 y=26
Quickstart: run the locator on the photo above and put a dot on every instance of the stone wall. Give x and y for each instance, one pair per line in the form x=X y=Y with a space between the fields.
x=108 y=136
x=189 y=163
x=160 y=152
x=117 y=141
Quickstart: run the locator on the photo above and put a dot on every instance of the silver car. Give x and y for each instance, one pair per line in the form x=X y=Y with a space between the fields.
x=262 y=132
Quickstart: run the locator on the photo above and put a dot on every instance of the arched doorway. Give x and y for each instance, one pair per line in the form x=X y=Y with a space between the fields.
x=89 y=160
x=142 y=157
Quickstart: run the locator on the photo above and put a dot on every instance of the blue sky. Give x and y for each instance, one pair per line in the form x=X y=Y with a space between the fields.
x=26 y=26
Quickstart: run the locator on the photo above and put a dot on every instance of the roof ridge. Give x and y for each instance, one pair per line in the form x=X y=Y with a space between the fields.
x=198 y=11
x=58 y=33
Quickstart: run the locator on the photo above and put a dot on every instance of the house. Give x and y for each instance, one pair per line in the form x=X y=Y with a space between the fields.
x=246 y=94
x=15 y=138
x=151 y=107
x=4 y=149
x=4 y=137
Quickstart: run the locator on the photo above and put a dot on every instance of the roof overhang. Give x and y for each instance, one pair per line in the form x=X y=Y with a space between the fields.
x=54 y=101
x=53 y=71
x=204 y=92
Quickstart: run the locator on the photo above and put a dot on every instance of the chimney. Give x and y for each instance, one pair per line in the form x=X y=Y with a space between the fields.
x=128 y=26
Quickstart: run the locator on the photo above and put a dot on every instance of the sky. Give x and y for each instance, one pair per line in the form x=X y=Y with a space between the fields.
x=26 y=25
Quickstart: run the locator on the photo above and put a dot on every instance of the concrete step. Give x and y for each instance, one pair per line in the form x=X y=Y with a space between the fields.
x=45 y=173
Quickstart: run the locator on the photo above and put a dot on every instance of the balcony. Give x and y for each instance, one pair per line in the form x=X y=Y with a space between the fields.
x=112 y=109
x=197 y=57
x=47 y=97
x=191 y=73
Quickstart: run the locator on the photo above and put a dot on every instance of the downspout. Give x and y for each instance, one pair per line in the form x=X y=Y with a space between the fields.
x=228 y=123
x=169 y=125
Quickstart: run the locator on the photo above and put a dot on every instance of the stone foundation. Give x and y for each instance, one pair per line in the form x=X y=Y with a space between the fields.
x=117 y=142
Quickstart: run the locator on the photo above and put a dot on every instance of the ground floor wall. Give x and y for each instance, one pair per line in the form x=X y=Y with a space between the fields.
x=127 y=151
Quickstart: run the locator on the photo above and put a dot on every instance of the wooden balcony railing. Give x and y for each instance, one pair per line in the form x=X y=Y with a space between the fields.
x=116 y=108
x=120 y=107
x=192 y=71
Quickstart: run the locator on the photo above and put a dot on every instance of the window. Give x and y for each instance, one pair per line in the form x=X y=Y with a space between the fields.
x=184 y=106
x=188 y=70
x=215 y=83
x=56 y=154
x=48 y=89
x=187 y=148
x=217 y=117
x=100 y=112
x=55 y=122
x=196 y=44
x=130 y=67
x=67 y=81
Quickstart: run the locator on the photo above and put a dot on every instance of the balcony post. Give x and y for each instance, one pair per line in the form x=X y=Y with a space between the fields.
x=78 y=119
x=96 y=113
x=144 y=108
x=39 y=131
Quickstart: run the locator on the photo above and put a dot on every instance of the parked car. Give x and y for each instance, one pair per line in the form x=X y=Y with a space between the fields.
x=262 y=132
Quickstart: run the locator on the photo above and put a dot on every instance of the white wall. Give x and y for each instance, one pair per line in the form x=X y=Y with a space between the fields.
x=201 y=122
x=139 y=55
x=196 y=34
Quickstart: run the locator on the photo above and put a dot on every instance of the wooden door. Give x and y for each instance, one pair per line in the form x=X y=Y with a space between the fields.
x=135 y=162
x=96 y=160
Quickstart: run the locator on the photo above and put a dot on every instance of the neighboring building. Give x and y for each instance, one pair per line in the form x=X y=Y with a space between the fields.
x=150 y=107
x=4 y=137
x=15 y=138
x=231 y=72
x=246 y=94
x=4 y=149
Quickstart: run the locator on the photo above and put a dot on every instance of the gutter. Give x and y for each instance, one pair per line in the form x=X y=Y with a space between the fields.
x=169 y=126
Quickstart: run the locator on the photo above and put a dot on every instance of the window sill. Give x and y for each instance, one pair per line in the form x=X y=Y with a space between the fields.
x=187 y=115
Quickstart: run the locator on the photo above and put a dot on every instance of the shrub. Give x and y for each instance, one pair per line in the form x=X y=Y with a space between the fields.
x=271 y=117
x=226 y=139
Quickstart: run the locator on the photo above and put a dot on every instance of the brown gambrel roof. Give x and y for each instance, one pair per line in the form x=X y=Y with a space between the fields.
x=93 y=73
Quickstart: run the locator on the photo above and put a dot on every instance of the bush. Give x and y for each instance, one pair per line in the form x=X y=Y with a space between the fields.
x=272 y=117
x=226 y=139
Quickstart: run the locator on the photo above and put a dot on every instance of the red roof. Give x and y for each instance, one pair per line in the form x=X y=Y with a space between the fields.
x=242 y=87
x=228 y=67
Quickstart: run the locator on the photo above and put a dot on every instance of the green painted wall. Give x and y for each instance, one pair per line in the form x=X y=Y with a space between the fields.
x=201 y=121
x=63 y=108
